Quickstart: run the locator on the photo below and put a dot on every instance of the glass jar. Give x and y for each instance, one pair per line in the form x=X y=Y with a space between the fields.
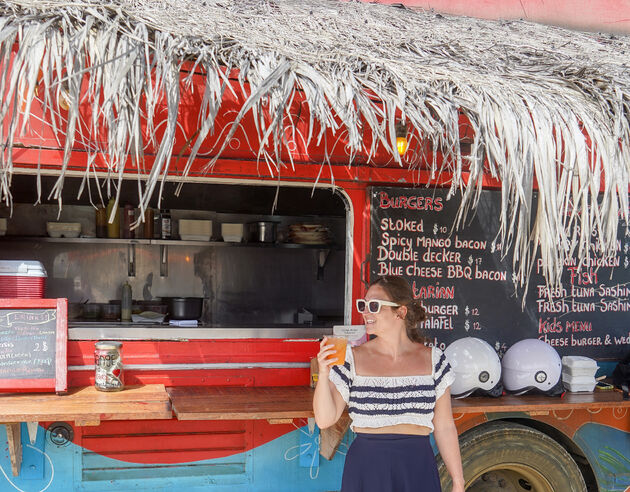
x=108 y=366
x=165 y=220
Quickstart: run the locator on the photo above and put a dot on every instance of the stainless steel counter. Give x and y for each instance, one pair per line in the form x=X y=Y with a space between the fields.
x=163 y=331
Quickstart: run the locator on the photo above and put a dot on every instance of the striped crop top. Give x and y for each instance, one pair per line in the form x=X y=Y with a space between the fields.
x=378 y=401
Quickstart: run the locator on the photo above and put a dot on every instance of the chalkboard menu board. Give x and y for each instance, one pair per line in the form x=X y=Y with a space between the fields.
x=33 y=337
x=467 y=289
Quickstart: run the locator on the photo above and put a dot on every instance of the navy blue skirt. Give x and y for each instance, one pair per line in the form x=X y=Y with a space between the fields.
x=390 y=463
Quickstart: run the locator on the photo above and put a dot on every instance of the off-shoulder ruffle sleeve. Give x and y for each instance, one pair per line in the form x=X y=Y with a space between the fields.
x=443 y=374
x=341 y=376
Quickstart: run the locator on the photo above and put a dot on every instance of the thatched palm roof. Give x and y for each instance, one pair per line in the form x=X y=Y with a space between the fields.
x=531 y=93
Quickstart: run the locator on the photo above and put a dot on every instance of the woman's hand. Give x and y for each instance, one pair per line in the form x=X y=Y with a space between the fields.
x=445 y=435
x=324 y=359
x=328 y=404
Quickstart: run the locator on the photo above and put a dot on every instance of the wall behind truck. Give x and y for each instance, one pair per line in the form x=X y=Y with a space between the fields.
x=588 y=15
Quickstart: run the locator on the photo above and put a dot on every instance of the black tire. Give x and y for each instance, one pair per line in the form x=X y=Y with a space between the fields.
x=504 y=456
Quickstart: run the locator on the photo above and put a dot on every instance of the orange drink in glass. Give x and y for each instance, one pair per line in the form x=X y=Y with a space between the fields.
x=339 y=357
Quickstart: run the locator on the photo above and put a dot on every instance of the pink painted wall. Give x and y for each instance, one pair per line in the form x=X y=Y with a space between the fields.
x=589 y=15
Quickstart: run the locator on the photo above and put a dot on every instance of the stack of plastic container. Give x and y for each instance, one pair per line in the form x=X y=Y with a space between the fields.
x=22 y=279
x=578 y=373
x=195 y=230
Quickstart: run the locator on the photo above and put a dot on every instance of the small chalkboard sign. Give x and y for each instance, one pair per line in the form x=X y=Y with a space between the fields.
x=33 y=338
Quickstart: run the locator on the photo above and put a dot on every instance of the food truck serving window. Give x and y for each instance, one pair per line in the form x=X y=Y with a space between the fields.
x=257 y=255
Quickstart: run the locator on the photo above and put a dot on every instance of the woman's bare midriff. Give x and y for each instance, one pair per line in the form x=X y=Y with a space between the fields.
x=417 y=430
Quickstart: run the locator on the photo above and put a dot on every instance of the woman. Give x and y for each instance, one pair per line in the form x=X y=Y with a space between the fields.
x=397 y=392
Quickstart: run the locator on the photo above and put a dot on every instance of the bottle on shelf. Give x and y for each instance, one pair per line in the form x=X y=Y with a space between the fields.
x=101 y=221
x=128 y=218
x=165 y=221
x=157 y=225
x=147 y=229
x=113 y=227
x=125 y=302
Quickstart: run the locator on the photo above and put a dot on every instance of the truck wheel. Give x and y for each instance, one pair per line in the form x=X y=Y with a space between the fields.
x=508 y=457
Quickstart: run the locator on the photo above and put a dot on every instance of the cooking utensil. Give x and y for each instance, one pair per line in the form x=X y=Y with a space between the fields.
x=263 y=231
x=184 y=307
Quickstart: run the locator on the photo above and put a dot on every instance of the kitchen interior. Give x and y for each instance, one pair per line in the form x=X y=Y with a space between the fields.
x=231 y=264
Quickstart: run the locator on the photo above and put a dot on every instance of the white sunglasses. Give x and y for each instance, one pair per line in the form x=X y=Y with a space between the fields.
x=373 y=305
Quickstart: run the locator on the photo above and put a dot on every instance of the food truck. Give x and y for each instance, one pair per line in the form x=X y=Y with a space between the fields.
x=265 y=162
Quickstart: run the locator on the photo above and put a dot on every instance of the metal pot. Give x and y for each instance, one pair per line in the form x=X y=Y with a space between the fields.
x=92 y=311
x=110 y=311
x=75 y=310
x=184 y=307
x=263 y=231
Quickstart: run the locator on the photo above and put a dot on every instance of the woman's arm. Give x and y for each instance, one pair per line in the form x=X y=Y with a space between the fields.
x=328 y=404
x=445 y=434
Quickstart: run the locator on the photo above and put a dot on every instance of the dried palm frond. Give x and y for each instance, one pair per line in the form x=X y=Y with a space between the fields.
x=548 y=106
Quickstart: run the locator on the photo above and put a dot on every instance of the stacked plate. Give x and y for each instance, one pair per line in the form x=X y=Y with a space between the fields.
x=22 y=279
x=22 y=287
x=309 y=234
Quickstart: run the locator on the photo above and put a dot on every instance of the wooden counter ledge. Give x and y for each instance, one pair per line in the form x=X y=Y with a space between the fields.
x=538 y=403
x=87 y=406
x=289 y=402
x=83 y=406
x=276 y=404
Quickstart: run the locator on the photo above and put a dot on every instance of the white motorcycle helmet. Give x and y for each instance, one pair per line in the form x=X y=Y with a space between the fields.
x=476 y=366
x=532 y=365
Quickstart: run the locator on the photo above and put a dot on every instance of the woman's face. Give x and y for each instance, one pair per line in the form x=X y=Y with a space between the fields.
x=378 y=322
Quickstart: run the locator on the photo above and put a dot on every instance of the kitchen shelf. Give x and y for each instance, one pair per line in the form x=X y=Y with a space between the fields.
x=82 y=240
x=323 y=251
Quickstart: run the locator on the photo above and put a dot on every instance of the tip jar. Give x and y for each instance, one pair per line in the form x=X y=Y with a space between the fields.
x=108 y=367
